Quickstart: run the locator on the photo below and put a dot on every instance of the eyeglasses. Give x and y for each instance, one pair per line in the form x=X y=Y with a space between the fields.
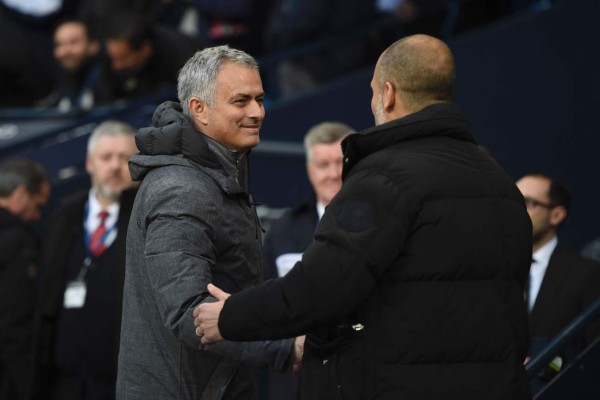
x=533 y=203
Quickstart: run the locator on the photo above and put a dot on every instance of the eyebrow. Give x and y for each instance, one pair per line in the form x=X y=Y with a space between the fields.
x=247 y=95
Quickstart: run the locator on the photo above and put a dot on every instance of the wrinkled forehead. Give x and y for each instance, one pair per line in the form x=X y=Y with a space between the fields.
x=234 y=79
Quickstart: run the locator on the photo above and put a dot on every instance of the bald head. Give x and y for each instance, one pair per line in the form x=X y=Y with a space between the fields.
x=421 y=68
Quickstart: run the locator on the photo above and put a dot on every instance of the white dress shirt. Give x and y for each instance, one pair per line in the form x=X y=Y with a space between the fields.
x=92 y=221
x=538 y=269
x=320 y=210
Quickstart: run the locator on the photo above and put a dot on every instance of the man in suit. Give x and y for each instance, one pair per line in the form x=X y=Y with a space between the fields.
x=561 y=282
x=79 y=307
x=24 y=189
x=292 y=233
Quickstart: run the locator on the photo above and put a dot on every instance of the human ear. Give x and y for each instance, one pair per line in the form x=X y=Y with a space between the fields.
x=557 y=215
x=198 y=110
x=389 y=97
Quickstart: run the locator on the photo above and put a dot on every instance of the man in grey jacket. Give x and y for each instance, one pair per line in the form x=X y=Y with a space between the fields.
x=194 y=222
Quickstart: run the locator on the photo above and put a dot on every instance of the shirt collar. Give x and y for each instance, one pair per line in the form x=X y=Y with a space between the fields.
x=94 y=208
x=543 y=254
x=320 y=209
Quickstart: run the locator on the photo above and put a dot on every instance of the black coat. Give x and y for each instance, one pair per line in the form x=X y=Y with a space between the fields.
x=292 y=233
x=571 y=283
x=64 y=229
x=417 y=268
x=18 y=259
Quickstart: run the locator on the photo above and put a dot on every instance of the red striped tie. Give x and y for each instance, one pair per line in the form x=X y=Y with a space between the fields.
x=96 y=244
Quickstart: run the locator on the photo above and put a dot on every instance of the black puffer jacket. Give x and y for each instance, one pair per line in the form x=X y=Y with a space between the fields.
x=425 y=251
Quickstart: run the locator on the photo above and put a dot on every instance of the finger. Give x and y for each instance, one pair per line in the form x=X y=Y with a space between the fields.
x=217 y=293
x=296 y=367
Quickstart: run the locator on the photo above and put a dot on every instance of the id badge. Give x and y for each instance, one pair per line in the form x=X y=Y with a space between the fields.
x=75 y=295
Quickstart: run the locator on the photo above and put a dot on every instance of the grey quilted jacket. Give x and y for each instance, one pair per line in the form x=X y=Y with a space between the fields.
x=193 y=222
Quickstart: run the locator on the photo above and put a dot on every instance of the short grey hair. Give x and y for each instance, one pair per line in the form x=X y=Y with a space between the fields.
x=22 y=172
x=198 y=77
x=109 y=128
x=325 y=133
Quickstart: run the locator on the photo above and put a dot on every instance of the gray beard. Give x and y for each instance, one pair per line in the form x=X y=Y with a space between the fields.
x=107 y=193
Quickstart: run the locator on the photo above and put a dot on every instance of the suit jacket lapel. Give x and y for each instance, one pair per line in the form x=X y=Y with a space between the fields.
x=553 y=280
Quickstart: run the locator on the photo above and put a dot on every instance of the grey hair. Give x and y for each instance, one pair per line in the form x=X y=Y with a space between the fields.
x=21 y=172
x=109 y=128
x=325 y=133
x=198 y=77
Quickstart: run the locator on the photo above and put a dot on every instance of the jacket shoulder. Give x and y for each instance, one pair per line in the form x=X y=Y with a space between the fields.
x=574 y=262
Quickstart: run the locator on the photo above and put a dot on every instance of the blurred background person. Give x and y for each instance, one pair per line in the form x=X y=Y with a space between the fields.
x=77 y=55
x=24 y=189
x=81 y=283
x=144 y=58
x=293 y=23
x=561 y=283
x=289 y=235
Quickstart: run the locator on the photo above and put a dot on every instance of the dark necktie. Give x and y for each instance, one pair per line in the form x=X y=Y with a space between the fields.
x=97 y=246
x=528 y=287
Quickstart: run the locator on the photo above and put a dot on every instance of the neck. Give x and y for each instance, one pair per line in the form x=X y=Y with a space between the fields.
x=104 y=201
x=539 y=243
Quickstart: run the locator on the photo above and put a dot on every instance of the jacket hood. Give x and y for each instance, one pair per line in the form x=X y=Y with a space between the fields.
x=140 y=165
x=437 y=120
x=174 y=140
x=171 y=139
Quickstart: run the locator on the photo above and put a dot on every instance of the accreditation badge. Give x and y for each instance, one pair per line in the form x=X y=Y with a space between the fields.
x=75 y=295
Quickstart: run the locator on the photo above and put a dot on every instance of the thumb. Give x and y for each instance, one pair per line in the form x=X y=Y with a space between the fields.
x=217 y=293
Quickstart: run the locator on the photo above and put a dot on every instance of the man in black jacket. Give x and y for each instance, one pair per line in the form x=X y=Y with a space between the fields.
x=24 y=189
x=144 y=58
x=413 y=286
x=291 y=234
x=81 y=283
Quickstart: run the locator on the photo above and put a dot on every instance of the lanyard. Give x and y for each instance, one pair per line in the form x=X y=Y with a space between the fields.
x=87 y=262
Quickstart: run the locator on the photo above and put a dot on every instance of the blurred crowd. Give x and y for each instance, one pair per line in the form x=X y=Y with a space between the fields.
x=77 y=54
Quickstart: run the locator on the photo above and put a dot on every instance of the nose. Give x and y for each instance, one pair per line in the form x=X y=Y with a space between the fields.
x=335 y=171
x=256 y=110
x=116 y=163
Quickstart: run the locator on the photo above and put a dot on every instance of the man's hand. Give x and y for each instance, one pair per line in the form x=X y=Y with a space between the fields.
x=206 y=316
x=297 y=354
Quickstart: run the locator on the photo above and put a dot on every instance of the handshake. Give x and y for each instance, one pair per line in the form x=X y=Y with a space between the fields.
x=206 y=321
